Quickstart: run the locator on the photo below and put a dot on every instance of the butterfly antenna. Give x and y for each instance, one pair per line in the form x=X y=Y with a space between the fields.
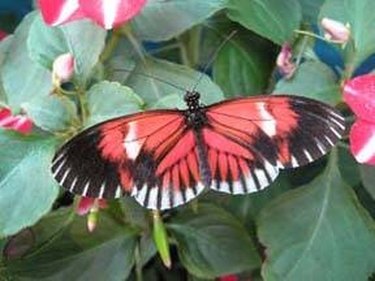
x=212 y=58
x=149 y=76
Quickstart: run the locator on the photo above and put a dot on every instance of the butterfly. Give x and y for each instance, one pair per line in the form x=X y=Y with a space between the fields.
x=165 y=158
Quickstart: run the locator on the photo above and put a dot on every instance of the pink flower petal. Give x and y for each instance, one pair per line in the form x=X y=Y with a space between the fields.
x=5 y=112
x=3 y=35
x=231 y=277
x=359 y=94
x=362 y=141
x=87 y=203
x=23 y=125
x=17 y=123
x=84 y=205
x=113 y=13
x=56 y=12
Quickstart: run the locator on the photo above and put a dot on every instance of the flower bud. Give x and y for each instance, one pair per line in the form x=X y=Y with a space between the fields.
x=335 y=30
x=284 y=61
x=92 y=218
x=63 y=68
x=161 y=239
x=19 y=123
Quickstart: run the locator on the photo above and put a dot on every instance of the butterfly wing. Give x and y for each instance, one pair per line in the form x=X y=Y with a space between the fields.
x=249 y=139
x=150 y=155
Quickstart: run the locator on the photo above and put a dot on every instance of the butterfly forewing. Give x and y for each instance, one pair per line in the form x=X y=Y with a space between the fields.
x=151 y=156
x=300 y=129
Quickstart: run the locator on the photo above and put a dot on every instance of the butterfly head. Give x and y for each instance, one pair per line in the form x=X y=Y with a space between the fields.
x=192 y=99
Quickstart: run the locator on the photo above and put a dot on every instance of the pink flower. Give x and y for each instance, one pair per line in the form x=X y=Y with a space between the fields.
x=19 y=123
x=3 y=35
x=107 y=14
x=231 y=277
x=335 y=30
x=359 y=94
x=63 y=68
x=284 y=61
x=91 y=207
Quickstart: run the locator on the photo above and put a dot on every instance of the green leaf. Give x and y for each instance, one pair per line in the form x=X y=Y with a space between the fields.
x=318 y=232
x=52 y=113
x=247 y=207
x=212 y=242
x=152 y=90
x=359 y=14
x=368 y=178
x=4 y=49
x=23 y=79
x=172 y=17
x=348 y=166
x=311 y=9
x=240 y=70
x=74 y=254
x=107 y=100
x=84 y=39
x=170 y=101
x=313 y=80
x=272 y=19
x=26 y=185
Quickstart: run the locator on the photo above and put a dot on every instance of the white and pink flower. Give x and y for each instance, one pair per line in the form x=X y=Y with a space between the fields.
x=359 y=94
x=108 y=14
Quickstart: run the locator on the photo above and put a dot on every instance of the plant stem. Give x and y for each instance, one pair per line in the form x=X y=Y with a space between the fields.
x=111 y=45
x=311 y=34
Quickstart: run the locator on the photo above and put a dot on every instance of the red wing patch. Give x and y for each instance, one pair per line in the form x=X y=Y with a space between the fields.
x=236 y=165
x=177 y=179
x=300 y=129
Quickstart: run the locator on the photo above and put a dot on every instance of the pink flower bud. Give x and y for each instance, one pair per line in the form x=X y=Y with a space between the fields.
x=63 y=67
x=19 y=123
x=335 y=30
x=284 y=61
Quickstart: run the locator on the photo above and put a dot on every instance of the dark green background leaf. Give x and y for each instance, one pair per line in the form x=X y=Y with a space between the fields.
x=152 y=90
x=318 y=232
x=163 y=20
x=313 y=80
x=240 y=69
x=273 y=19
x=71 y=253
x=368 y=178
x=211 y=242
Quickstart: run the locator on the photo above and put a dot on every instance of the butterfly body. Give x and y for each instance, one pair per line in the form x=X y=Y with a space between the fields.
x=164 y=158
